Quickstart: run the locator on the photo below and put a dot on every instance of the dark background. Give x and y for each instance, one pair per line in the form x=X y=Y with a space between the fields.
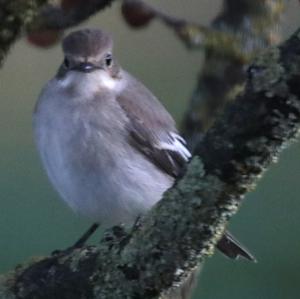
x=34 y=222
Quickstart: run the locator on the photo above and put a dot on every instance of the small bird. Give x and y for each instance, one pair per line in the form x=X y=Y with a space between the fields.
x=108 y=145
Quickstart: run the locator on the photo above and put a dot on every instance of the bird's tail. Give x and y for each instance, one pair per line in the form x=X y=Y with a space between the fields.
x=232 y=248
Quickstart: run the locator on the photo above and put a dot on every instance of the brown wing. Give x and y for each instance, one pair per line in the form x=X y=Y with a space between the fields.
x=151 y=129
x=153 y=133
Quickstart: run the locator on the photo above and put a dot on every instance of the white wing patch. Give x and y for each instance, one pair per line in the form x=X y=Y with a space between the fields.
x=177 y=144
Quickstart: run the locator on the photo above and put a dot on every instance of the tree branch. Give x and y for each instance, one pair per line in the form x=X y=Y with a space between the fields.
x=31 y=15
x=252 y=26
x=183 y=228
x=14 y=15
x=231 y=34
x=55 y=17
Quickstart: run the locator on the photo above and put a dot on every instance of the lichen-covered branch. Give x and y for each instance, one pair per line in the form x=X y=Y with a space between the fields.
x=253 y=26
x=224 y=43
x=182 y=230
x=14 y=16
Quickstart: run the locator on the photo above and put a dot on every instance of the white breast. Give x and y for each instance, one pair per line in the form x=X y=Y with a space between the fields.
x=109 y=186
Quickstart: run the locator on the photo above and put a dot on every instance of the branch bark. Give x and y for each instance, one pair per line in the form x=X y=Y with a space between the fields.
x=56 y=18
x=252 y=26
x=30 y=15
x=157 y=255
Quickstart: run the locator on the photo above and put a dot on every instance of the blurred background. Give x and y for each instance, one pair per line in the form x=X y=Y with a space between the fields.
x=33 y=221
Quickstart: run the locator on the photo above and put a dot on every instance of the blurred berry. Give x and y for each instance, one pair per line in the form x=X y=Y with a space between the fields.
x=136 y=13
x=44 y=38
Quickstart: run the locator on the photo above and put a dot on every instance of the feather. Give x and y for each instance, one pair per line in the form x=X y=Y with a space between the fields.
x=152 y=130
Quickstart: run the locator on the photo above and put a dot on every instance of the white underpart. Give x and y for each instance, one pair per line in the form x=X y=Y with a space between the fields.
x=176 y=144
x=107 y=81
x=84 y=177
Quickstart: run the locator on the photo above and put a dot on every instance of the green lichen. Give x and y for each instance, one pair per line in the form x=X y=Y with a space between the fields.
x=183 y=217
x=6 y=282
x=78 y=256
x=15 y=15
x=267 y=71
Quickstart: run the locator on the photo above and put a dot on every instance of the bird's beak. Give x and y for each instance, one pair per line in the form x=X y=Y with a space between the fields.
x=85 y=67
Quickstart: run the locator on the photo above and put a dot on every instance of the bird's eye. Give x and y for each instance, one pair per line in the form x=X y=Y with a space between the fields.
x=108 y=60
x=66 y=63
